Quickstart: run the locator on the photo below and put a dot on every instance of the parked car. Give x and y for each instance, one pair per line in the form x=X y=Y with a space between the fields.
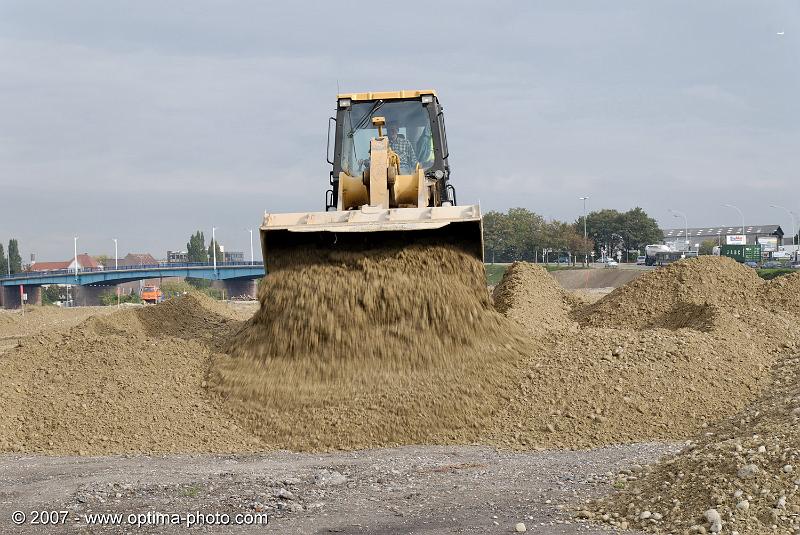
x=796 y=265
x=641 y=260
x=772 y=265
x=751 y=264
x=611 y=263
x=563 y=260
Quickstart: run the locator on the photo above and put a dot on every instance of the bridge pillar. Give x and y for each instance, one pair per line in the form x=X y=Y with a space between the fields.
x=34 y=295
x=238 y=288
x=11 y=297
x=89 y=295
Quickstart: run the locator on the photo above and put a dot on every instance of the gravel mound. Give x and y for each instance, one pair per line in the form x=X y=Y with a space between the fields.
x=112 y=385
x=653 y=300
x=402 y=345
x=617 y=374
x=531 y=297
x=740 y=471
x=782 y=294
x=741 y=474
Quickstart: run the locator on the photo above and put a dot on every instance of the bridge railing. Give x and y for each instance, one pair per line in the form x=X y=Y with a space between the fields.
x=139 y=267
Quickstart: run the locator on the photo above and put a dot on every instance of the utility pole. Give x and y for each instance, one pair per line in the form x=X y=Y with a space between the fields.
x=740 y=214
x=116 y=267
x=75 y=247
x=214 y=247
x=791 y=214
x=676 y=213
x=252 y=258
x=585 y=235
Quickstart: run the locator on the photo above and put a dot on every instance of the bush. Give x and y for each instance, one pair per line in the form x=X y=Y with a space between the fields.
x=52 y=294
x=110 y=298
x=769 y=274
x=199 y=284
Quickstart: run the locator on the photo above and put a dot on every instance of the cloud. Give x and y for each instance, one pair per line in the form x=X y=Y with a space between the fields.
x=146 y=121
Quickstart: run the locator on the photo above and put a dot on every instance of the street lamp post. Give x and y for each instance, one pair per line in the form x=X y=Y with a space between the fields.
x=75 y=251
x=622 y=243
x=791 y=214
x=585 y=235
x=740 y=214
x=676 y=213
x=252 y=258
x=116 y=267
x=214 y=247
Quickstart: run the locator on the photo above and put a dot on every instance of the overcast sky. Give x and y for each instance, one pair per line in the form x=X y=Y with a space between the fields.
x=146 y=121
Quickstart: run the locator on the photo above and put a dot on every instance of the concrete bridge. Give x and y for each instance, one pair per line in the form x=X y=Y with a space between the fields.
x=235 y=276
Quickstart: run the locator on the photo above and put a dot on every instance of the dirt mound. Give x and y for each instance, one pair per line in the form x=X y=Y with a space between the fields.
x=38 y=318
x=662 y=378
x=531 y=297
x=390 y=306
x=116 y=384
x=782 y=294
x=745 y=468
x=399 y=346
x=358 y=349
x=651 y=300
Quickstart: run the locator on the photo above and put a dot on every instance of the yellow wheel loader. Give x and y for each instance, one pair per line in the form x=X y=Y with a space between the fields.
x=389 y=182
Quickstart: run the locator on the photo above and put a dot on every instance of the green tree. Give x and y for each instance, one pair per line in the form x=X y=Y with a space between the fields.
x=196 y=248
x=495 y=236
x=639 y=229
x=524 y=233
x=53 y=293
x=105 y=261
x=616 y=230
x=3 y=261
x=210 y=251
x=14 y=258
x=707 y=246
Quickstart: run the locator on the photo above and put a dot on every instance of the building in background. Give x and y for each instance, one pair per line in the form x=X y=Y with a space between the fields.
x=177 y=257
x=84 y=262
x=232 y=256
x=768 y=236
x=138 y=259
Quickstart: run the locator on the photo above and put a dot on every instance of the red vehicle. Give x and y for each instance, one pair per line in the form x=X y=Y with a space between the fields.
x=151 y=294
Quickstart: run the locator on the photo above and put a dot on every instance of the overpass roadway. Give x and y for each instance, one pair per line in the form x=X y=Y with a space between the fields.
x=14 y=285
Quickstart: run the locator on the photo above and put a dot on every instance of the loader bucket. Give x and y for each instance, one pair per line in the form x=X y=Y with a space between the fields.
x=370 y=228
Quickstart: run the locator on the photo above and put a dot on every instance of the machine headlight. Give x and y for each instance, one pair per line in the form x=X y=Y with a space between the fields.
x=427 y=99
x=344 y=102
x=438 y=174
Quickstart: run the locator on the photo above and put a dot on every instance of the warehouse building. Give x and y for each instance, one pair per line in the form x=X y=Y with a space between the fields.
x=769 y=236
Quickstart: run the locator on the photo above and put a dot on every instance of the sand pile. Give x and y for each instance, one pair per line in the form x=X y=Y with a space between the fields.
x=395 y=346
x=531 y=297
x=37 y=318
x=664 y=297
x=743 y=471
x=782 y=294
x=116 y=384
x=660 y=376
x=359 y=349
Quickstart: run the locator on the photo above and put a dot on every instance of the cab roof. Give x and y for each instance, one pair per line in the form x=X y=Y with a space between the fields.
x=388 y=95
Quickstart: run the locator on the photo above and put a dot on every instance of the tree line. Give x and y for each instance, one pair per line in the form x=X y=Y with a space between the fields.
x=520 y=234
x=197 y=251
x=13 y=262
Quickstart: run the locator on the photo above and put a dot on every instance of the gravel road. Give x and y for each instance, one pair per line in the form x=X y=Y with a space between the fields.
x=418 y=489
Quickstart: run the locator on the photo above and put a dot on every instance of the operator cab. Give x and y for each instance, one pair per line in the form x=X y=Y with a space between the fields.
x=415 y=131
